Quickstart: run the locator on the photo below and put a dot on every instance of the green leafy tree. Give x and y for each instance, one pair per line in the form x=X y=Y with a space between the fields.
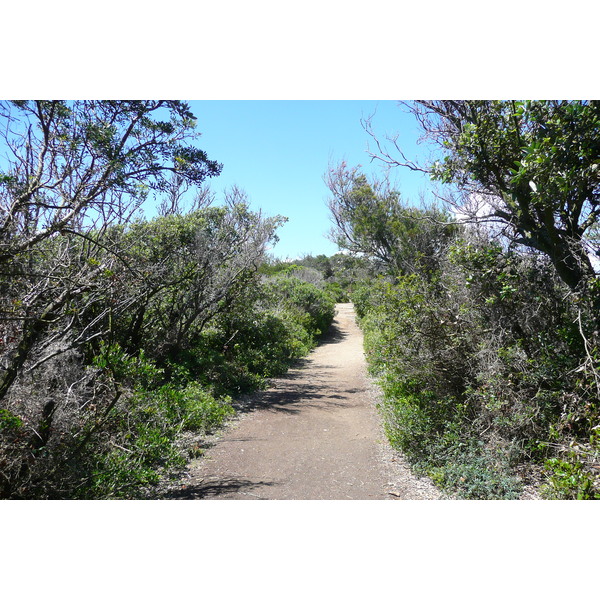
x=370 y=219
x=188 y=269
x=494 y=363
x=533 y=167
x=69 y=171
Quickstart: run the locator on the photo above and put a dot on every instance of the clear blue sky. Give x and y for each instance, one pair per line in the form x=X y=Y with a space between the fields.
x=278 y=151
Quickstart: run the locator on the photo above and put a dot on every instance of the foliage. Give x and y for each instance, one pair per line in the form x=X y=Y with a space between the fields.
x=128 y=447
x=8 y=421
x=190 y=267
x=535 y=166
x=477 y=475
x=489 y=360
x=569 y=480
x=314 y=308
x=71 y=171
x=572 y=470
x=137 y=387
x=339 y=274
x=479 y=364
x=122 y=336
x=370 y=219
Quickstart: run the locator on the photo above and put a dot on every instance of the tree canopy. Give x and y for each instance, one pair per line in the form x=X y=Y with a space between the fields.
x=71 y=171
x=371 y=219
x=534 y=166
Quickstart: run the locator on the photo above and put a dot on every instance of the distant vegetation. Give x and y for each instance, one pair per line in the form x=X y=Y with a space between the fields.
x=339 y=275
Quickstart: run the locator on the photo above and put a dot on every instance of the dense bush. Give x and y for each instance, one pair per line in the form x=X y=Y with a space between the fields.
x=314 y=308
x=483 y=374
x=339 y=275
x=258 y=336
x=172 y=320
x=120 y=426
x=487 y=348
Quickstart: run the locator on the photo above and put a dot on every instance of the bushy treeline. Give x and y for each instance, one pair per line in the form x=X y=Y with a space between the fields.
x=124 y=340
x=485 y=357
x=176 y=326
x=338 y=275
x=484 y=373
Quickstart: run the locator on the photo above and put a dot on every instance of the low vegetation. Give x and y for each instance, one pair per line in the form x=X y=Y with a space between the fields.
x=484 y=373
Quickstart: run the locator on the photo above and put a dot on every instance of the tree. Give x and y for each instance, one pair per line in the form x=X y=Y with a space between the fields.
x=189 y=268
x=71 y=171
x=535 y=168
x=521 y=337
x=371 y=219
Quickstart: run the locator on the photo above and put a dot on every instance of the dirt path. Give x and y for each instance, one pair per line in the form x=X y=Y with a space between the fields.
x=315 y=434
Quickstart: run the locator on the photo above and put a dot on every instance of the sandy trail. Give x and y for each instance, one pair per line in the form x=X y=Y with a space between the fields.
x=315 y=434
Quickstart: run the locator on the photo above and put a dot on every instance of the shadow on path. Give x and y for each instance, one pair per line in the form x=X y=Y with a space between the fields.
x=334 y=336
x=287 y=391
x=216 y=488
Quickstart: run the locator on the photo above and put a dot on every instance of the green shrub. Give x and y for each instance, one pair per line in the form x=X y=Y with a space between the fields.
x=256 y=336
x=479 y=360
x=337 y=291
x=198 y=410
x=575 y=473
x=241 y=349
x=122 y=470
x=139 y=441
x=132 y=437
x=312 y=307
x=434 y=435
x=476 y=475
x=569 y=480
x=8 y=421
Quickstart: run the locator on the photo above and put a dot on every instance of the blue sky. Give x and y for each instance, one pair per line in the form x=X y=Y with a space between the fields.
x=278 y=151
